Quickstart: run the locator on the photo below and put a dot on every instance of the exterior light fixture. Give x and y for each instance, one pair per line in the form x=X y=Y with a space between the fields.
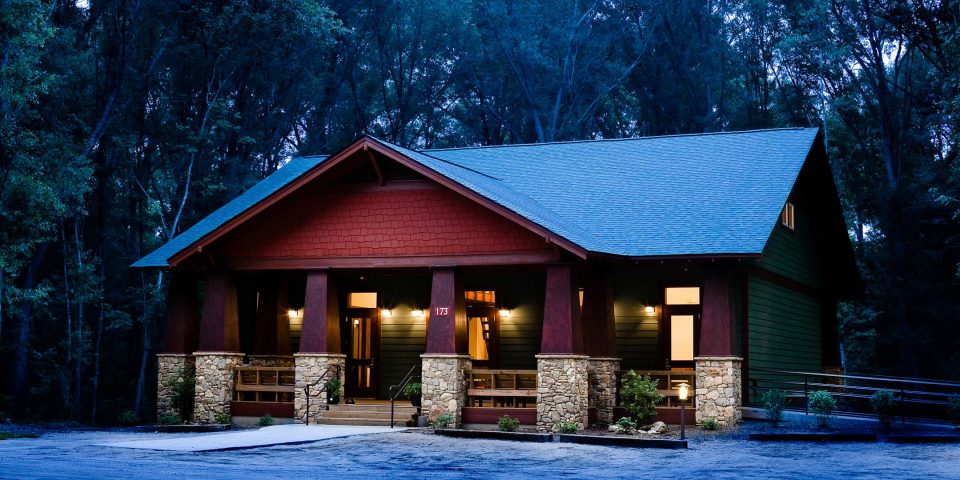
x=292 y=313
x=356 y=321
x=684 y=390
x=650 y=309
x=386 y=313
x=505 y=312
x=417 y=313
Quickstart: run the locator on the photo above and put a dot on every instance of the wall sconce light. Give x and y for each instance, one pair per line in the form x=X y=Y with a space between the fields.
x=650 y=309
x=386 y=313
x=505 y=312
x=293 y=313
x=417 y=313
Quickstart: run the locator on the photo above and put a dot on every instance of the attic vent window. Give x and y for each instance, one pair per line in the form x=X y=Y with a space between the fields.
x=786 y=216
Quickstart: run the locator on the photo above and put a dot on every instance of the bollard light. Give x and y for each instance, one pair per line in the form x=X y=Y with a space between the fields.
x=684 y=390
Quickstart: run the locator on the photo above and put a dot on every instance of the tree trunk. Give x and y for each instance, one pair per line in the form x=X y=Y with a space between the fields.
x=19 y=378
x=78 y=354
x=96 y=354
x=65 y=384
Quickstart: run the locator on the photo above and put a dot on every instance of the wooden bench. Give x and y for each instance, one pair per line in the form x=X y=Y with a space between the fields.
x=501 y=388
x=264 y=384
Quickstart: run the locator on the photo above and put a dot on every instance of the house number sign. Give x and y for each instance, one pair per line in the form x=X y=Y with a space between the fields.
x=441 y=311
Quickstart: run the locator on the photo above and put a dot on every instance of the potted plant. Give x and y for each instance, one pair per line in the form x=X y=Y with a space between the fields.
x=333 y=390
x=412 y=391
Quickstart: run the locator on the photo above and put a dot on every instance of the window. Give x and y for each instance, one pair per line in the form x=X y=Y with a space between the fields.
x=786 y=216
x=479 y=337
x=362 y=300
x=482 y=296
x=681 y=337
x=682 y=296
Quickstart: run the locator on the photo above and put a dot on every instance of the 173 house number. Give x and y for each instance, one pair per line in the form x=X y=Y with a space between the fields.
x=441 y=311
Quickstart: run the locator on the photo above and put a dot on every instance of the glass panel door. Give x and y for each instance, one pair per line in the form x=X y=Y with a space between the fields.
x=361 y=375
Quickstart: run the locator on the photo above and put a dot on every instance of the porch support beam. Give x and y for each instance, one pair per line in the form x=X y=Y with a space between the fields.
x=599 y=326
x=321 y=314
x=272 y=331
x=716 y=327
x=561 y=313
x=447 y=324
x=220 y=331
x=183 y=322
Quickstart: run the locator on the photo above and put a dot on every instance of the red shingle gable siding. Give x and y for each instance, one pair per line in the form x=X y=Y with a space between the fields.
x=391 y=222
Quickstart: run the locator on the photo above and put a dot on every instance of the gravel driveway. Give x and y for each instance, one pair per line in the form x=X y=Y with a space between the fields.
x=74 y=454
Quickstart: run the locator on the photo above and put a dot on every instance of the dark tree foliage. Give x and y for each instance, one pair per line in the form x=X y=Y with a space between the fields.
x=123 y=122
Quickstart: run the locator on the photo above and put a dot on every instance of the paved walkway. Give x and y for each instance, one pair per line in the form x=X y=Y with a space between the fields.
x=263 y=437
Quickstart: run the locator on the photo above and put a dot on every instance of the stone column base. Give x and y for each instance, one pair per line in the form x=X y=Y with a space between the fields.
x=562 y=391
x=718 y=389
x=215 y=381
x=315 y=370
x=444 y=384
x=602 y=373
x=271 y=360
x=173 y=369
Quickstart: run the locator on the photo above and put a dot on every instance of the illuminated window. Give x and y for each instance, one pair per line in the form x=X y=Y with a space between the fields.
x=479 y=337
x=682 y=296
x=581 y=297
x=681 y=337
x=485 y=296
x=786 y=216
x=362 y=300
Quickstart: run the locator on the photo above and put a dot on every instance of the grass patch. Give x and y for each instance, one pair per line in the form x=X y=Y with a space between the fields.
x=12 y=435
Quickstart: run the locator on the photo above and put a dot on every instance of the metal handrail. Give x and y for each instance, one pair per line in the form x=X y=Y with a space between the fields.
x=936 y=393
x=306 y=389
x=395 y=390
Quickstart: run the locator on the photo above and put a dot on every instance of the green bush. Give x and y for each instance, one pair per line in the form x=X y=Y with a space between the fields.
x=222 y=418
x=332 y=387
x=626 y=424
x=128 y=418
x=710 y=423
x=774 y=402
x=885 y=405
x=169 y=420
x=953 y=408
x=639 y=396
x=443 y=421
x=412 y=388
x=822 y=404
x=565 y=427
x=183 y=392
x=507 y=423
x=266 y=420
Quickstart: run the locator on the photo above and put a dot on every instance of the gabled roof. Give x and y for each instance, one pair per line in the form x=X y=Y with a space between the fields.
x=706 y=194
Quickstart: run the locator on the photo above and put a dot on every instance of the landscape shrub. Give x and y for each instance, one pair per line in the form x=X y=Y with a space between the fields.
x=443 y=421
x=266 y=420
x=169 y=420
x=128 y=418
x=639 y=396
x=565 y=427
x=822 y=404
x=183 y=392
x=884 y=403
x=507 y=423
x=774 y=402
x=710 y=423
x=627 y=424
x=222 y=418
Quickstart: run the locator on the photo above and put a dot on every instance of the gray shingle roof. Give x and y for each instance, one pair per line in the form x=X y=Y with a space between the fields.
x=705 y=194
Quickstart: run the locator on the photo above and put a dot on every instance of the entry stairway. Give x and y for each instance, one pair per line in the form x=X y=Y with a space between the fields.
x=372 y=414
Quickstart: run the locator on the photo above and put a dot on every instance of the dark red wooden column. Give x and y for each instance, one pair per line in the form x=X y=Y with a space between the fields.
x=599 y=325
x=220 y=329
x=716 y=325
x=183 y=319
x=561 y=313
x=272 y=330
x=447 y=325
x=321 y=315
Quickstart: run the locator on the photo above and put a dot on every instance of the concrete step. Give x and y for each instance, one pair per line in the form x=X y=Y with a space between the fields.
x=400 y=422
x=400 y=409
x=376 y=415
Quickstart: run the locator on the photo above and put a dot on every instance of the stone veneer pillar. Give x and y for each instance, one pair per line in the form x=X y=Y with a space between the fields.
x=171 y=369
x=215 y=381
x=718 y=389
x=603 y=387
x=444 y=383
x=562 y=386
x=315 y=369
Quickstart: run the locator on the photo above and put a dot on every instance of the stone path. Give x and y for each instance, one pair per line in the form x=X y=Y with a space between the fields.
x=263 y=437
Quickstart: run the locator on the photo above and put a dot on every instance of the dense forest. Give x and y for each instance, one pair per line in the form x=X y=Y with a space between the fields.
x=122 y=122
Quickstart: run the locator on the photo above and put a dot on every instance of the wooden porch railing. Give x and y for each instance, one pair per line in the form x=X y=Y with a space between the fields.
x=502 y=388
x=264 y=384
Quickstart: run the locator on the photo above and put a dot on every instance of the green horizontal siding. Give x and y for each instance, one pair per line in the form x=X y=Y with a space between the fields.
x=792 y=254
x=638 y=342
x=784 y=328
x=402 y=340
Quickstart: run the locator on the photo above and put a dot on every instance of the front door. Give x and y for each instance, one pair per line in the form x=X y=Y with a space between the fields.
x=483 y=335
x=363 y=326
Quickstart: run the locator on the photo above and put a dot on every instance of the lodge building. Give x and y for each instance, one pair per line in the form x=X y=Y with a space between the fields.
x=517 y=279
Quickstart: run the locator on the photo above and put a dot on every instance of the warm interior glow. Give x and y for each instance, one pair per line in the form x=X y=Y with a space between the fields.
x=786 y=216
x=362 y=300
x=485 y=296
x=505 y=312
x=478 y=342
x=292 y=313
x=682 y=296
x=296 y=321
x=650 y=309
x=683 y=391
x=356 y=321
x=417 y=313
x=681 y=337
x=580 y=292
x=386 y=313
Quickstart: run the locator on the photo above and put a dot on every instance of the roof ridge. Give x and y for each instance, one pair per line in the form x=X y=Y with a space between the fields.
x=598 y=140
x=421 y=152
